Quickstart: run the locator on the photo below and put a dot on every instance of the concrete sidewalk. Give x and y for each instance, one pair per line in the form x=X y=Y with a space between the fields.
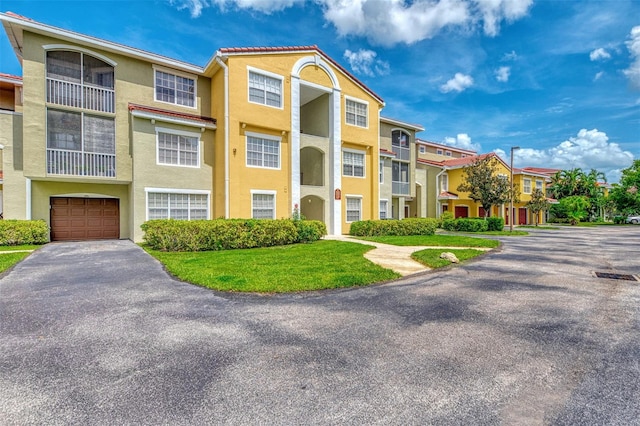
x=396 y=258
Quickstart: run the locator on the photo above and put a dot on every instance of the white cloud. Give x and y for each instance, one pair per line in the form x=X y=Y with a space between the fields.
x=633 y=44
x=365 y=62
x=494 y=11
x=589 y=149
x=503 y=73
x=599 y=54
x=458 y=83
x=463 y=141
x=509 y=56
x=195 y=7
x=598 y=76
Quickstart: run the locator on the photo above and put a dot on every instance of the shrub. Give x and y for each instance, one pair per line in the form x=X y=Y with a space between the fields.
x=18 y=232
x=412 y=226
x=495 y=223
x=227 y=234
x=465 y=225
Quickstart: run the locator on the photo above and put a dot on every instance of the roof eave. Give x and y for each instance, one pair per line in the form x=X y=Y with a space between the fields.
x=173 y=120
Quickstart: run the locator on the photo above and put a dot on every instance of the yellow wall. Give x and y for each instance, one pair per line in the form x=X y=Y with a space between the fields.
x=14 y=186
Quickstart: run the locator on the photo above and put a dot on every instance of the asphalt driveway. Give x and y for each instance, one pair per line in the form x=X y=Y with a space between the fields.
x=97 y=333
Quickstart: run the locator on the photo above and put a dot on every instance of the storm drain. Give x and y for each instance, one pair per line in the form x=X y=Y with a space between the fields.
x=612 y=276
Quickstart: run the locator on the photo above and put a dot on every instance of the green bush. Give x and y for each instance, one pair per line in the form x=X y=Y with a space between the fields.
x=495 y=223
x=227 y=234
x=465 y=225
x=18 y=232
x=412 y=226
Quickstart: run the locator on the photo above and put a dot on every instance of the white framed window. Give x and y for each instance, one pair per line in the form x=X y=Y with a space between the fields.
x=444 y=182
x=263 y=204
x=356 y=112
x=463 y=156
x=423 y=149
x=526 y=186
x=265 y=88
x=439 y=152
x=177 y=148
x=381 y=171
x=353 y=163
x=354 y=208
x=263 y=151
x=176 y=89
x=177 y=204
x=539 y=185
x=447 y=153
x=384 y=205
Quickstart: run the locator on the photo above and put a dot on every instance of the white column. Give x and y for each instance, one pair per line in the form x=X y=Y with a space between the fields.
x=28 y=199
x=335 y=181
x=294 y=140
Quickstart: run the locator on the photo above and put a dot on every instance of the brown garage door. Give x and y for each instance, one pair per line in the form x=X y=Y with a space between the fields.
x=75 y=219
x=461 y=211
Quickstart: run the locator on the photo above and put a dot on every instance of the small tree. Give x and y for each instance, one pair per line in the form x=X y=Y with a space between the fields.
x=577 y=207
x=538 y=203
x=485 y=186
x=626 y=194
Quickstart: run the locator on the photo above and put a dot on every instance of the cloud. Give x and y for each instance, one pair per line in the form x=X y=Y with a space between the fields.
x=458 y=83
x=463 y=141
x=365 y=62
x=598 y=76
x=494 y=11
x=195 y=7
x=599 y=54
x=633 y=44
x=589 y=149
x=503 y=73
x=509 y=56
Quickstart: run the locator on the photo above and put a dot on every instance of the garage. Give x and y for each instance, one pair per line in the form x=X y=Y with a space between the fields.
x=461 y=211
x=74 y=219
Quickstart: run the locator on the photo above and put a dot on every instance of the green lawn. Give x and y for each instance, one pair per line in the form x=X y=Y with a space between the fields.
x=431 y=257
x=438 y=240
x=7 y=260
x=298 y=267
x=538 y=227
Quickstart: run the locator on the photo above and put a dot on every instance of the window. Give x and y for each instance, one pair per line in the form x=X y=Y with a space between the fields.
x=381 y=171
x=423 y=149
x=354 y=209
x=439 y=151
x=183 y=206
x=265 y=90
x=400 y=144
x=353 y=163
x=444 y=183
x=263 y=152
x=383 y=209
x=526 y=186
x=356 y=113
x=463 y=156
x=400 y=178
x=539 y=185
x=447 y=153
x=178 y=149
x=263 y=205
x=175 y=89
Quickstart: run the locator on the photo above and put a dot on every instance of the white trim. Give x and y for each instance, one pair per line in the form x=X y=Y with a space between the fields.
x=177 y=133
x=524 y=191
x=386 y=211
x=364 y=162
x=422 y=149
x=265 y=192
x=173 y=120
x=416 y=127
x=50 y=47
x=346 y=206
x=360 y=101
x=175 y=73
x=226 y=135
x=381 y=171
x=262 y=136
x=317 y=61
x=28 y=199
x=148 y=190
x=275 y=76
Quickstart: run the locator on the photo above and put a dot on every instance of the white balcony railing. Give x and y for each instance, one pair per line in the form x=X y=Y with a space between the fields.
x=78 y=163
x=402 y=153
x=76 y=95
x=400 y=188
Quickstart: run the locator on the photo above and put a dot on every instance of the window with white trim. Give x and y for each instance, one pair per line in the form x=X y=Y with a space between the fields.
x=354 y=209
x=178 y=149
x=444 y=182
x=356 y=113
x=182 y=206
x=526 y=186
x=175 y=89
x=439 y=151
x=383 y=209
x=353 y=163
x=265 y=90
x=263 y=205
x=423 y=149
x=539 y=185
x=381 y=171
x=263 y=152
x=447 y=153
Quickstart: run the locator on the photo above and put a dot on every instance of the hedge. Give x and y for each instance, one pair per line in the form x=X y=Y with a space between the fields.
x=227 y=234
x=465 y=225
x=412 y=226
x=18 y=232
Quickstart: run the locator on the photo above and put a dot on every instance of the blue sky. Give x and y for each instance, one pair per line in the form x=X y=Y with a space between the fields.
x=560 y=79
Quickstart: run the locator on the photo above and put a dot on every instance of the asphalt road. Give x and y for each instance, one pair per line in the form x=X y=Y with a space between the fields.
x=96 y=333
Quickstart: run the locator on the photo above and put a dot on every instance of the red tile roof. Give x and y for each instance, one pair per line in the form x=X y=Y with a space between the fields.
x=11 y=78
x=430 y=162
x=293 y=49
x=541 y=170
x=207 y=120
x=386 y=151
x=453 y=148
x=447 y=194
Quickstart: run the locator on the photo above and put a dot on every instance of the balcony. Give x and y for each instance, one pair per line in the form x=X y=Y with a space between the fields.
x=77 y=95
x=400 y=188
x=78 y=163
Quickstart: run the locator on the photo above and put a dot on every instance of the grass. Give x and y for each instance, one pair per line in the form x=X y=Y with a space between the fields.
x=7 y=260
x=298 y=267
x=22 y=247
x=437 y=240
x=538 y=227
x=431 y=257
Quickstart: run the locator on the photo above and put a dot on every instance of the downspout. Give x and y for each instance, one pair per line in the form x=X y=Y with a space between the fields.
x=438 y=205
x=226 y=135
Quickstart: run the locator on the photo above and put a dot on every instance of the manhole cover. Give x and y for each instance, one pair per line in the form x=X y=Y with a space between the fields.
x=612 y=276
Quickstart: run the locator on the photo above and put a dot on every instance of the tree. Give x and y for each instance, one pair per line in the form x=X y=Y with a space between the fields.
x=576 y=207
x=485 y=186
x=575 y=182
x=626 y=195
x=538 y=203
